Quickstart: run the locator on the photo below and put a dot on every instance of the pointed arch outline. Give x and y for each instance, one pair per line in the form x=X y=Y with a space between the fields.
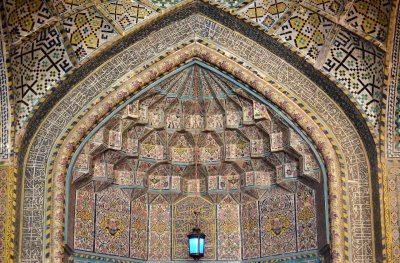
x=204 y=55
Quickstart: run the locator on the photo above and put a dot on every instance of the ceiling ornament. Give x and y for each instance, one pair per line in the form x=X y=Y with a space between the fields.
x=197 y=134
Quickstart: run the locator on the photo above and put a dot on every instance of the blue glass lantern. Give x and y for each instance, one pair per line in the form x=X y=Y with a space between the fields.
x=196 y=244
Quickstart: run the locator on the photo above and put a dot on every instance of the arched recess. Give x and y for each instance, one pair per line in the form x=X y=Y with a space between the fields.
x=261 y=156
x=68 y=122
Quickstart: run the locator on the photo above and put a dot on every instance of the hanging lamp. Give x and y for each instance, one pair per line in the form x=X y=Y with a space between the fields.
x=196 y=241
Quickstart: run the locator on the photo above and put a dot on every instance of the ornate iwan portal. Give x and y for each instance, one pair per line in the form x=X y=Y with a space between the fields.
x=260 y=186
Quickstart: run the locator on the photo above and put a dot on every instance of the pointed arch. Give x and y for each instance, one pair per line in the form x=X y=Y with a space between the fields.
x=323 y=119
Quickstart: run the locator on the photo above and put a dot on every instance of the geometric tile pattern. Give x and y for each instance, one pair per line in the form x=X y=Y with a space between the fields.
x=277 y=223
x=87 y=25
x=393 y=180
x=229 y=4
x=150 y=124
x=87 y=31
x=333 y=7
x=64 y=6
x=283 y=229
x=42 y=145
x=37 y=65
x=306 y=218
x=159 y=230
x=24 y=16
x=84 y=214
x=112 y=223
x=139 y=228
x=4 y=104
x=358 y=65
x=307 y=31
x=370 y=16
x=250 y=233
x=267 y=12
x=127 y=13
x=165 y=4
x=392 y=98
x=3 y=208
x=397 y=114
x=229 y=240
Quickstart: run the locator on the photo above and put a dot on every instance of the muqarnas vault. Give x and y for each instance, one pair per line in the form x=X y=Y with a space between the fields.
x=259 y=188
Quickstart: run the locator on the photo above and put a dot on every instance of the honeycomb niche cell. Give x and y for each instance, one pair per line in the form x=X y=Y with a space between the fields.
x=259 y=187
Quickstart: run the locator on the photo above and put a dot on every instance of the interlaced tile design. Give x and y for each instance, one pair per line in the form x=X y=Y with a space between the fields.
x=164 y=4
x=5 y=106
x=87 y=31
x=266 y=12
x=127 y=13
x=370 y=16
x=230 y=4
x=358 y=65
x=397 y=114
x=37 y=66
x=64 y=6
x=307 y=31
x=25 y=16
x=333 y=7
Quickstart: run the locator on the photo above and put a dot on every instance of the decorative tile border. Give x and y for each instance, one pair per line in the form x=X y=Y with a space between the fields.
x=5 y=115
x=5 y=105
x=306 y=258
x=390 y=154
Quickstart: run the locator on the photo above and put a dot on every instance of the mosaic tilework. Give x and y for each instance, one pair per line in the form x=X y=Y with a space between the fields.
x=159 y=230
x=392 y=147
x=3 y=209
x=306 y=218
x=84 y=218
x=165 y=4
x=250 y=230
x=63 y=6
x=37 y=66
x=393 y=97
x=333 y=7
x=139 y=228
x=397 y=121
x=4 y=104
x=229 y=239
x=358 y=65
x=162 y=142
x=307 y=31
x=393 y=173
x=126 y=13
x=229 y=4
x=267 y=13
x=112 y=223
x=24 y=17
x=87 y=31
x=50 y=128
x=277 y=223
x=195 y=84
x=370 y=16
